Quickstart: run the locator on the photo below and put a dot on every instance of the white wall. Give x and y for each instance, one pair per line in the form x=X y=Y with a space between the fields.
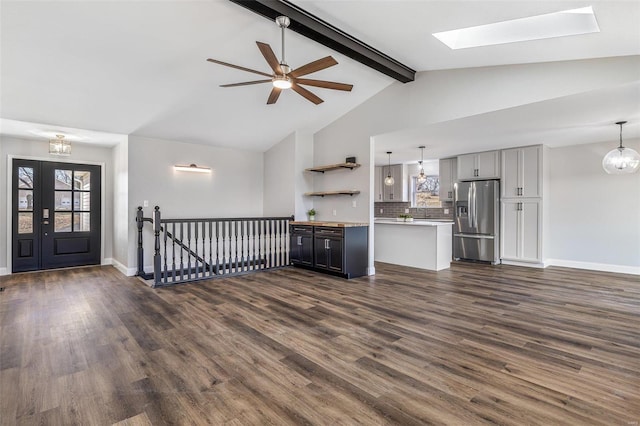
x=23 y=148
x=594 y=217
x=279 y=178
x=120 y=205
x=233 y=189
x=438 y=96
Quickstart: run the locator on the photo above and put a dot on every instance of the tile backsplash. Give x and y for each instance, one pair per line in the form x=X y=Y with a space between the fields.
x=395 y=209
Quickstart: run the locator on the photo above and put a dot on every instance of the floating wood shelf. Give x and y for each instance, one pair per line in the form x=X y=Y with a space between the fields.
x=322 y=169
x=323 y=193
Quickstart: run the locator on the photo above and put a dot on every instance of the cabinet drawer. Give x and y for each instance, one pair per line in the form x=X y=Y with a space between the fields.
x=328 y=232
x=301 y=229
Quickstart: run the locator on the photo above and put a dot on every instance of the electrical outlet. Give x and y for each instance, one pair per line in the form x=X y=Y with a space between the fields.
x=353 y=203
x=335 y=212
x=406 y=210
x=145 y=203
x=446 y=211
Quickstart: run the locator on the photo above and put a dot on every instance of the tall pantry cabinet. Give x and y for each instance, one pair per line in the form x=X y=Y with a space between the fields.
x=522 y=207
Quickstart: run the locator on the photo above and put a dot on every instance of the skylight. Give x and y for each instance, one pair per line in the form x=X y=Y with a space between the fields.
x=550 y=25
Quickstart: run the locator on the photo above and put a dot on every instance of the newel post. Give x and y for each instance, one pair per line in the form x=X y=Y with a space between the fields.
x=140 y=224
x=157 y=274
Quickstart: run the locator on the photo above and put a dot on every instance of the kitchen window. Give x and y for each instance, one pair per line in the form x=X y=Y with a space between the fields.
x=425 y=194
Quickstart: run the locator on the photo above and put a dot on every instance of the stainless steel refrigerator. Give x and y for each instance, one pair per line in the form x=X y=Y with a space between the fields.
x=477 y=221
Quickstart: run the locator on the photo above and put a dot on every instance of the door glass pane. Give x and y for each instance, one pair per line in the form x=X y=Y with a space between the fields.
x=82 y=201
x=25 y=199
x=63 y=200
x=63 y=179
x=81 y=222
x=25 y=177
x=62 y=222
x=82 y=180
x=25 y=223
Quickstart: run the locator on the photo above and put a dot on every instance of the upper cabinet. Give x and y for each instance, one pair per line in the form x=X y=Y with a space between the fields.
x=481 y=165
x=522 y=172
x=448 y=176
x=399 y=191
x=377 y=184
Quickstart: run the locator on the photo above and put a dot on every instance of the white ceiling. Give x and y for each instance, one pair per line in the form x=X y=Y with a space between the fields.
x=134 y=67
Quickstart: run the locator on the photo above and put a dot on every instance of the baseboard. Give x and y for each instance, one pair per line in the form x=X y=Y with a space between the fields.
x=604 y=267
x=129 y=272
x=371 y=270
x=107 y=261
x=4 y=271
x=526 y=264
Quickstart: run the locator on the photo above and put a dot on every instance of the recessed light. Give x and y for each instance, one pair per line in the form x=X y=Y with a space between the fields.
x=550 y=25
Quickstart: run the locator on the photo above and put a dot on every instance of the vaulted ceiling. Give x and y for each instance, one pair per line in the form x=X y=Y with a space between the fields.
x=131 y=67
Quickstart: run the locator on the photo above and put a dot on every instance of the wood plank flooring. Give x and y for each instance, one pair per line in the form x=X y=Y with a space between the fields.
x=475 y=344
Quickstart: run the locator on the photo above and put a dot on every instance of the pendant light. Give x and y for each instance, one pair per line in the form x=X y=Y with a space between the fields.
x=389 y=181
x=422 y=178
x=621 y=160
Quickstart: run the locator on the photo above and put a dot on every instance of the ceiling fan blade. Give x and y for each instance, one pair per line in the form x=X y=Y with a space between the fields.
x=238 y=67
x=246 y=83
x=274 y=95
x=314 y=66
x=325 y=84
x=306 y=94
x=270 y=57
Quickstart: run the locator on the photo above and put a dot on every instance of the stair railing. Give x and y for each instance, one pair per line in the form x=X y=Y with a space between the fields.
x=188 y=250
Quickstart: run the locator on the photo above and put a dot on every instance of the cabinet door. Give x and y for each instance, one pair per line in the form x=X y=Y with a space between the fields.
x=510 y=230
x=511 y=176
x=335 y=254
x=377 y=183
x=530 y=225
x=521 y=230
x=320 y=257
x=488 y=164
x=531 y=171
x=466 y=166
x=448 y=176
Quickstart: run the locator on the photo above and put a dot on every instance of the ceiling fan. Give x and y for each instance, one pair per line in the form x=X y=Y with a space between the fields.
x=283 y=77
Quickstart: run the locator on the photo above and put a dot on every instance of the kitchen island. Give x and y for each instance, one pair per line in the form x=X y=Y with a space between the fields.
x=420 y=244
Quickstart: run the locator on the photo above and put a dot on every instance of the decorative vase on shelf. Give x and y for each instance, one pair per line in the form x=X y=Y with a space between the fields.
x=312 y=218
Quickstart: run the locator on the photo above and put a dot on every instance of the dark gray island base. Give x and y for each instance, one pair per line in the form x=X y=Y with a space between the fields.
x=335 y=248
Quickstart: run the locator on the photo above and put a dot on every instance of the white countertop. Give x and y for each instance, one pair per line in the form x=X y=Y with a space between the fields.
x=416 y=222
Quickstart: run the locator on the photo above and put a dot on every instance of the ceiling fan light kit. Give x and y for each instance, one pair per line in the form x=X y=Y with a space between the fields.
x=283 y=76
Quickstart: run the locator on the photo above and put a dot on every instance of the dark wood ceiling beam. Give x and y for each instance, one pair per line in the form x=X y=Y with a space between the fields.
x=326 y=34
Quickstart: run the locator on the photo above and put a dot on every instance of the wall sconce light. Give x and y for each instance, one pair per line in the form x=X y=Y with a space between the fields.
x=59 y=146
x=192 y=168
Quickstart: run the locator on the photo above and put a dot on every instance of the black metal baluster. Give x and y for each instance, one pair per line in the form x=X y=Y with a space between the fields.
x=268 y=251
x=281 y=253
x=157 y=274
x=173 y=249
x=259 y=244
x=226 y=234
x=188 y=250
x=210 y=248
x=181 y=251
x=253 y=237
x=218 y=248
x=196 y=261
x=242 y=235
x=165 y=271
x=235 y=231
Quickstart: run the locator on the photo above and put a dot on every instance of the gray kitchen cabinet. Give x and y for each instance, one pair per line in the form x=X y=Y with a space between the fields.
x=335 y=250
x=521 y=230
x=377 y=184
x=480 y=165
x=522 y=172
x=399 y=191
x=301 y=245
x=448 y=176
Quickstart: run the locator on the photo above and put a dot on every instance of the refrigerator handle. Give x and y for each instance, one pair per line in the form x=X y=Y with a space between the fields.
x=475 y=207
x=470 y=206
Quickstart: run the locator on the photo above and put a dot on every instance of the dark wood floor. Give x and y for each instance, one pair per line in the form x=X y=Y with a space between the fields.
x=472 y=345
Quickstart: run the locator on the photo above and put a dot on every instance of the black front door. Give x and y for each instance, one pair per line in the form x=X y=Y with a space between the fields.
x=56 y=215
